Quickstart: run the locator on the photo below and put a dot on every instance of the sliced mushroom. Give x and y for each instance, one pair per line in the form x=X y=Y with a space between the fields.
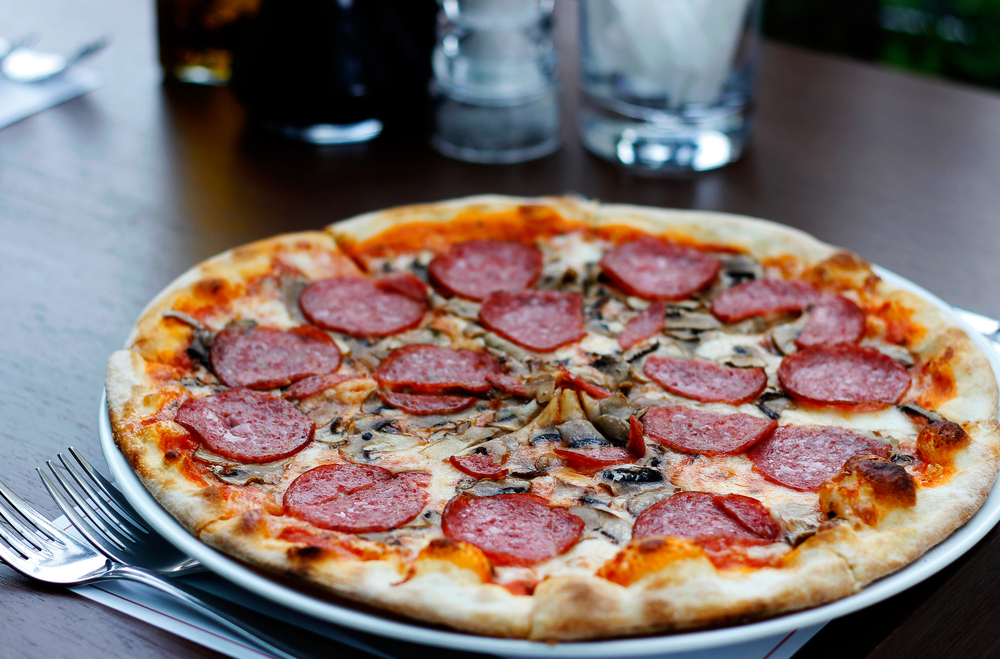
x=368 y=445
x=643 y=500
x=373 y=405
x=773 y=403
x=784 y=335
x=462 y=308
x=614 y=368
x=515 y=417
x=446 y=444
x=239 y=473
x=541 y=387
x=544 y=435
x=580 y=433
x=899 y=353
x=740 y=268
x=678 y=318
x=605 y=523
x=639 y=351
x=913 y=408
x=798 y=529
x=491 y=488
x=291 y=289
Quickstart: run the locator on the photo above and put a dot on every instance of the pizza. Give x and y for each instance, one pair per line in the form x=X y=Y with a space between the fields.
x=555 y=419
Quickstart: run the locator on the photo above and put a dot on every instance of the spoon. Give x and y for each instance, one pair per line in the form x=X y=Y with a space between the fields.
x=23 y=65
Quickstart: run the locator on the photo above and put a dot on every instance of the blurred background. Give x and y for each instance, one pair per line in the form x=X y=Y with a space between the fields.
x=956 y=39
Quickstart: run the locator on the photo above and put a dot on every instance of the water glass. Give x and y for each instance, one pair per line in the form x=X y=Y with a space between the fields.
x=667 y=84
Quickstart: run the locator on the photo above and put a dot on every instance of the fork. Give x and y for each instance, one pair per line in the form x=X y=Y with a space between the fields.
x=104 y=516
x=32 y=545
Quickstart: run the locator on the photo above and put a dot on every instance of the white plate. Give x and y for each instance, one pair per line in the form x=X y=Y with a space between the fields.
x=936 y=559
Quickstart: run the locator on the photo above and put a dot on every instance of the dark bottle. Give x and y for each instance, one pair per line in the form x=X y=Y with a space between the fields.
x=337 y=71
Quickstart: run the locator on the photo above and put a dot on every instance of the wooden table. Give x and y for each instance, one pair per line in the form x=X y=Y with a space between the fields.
x=107 y=198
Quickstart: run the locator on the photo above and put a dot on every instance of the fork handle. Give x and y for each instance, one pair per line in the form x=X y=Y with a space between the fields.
x=184 y=592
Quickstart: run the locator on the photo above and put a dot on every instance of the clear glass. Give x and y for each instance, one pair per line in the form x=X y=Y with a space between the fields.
x=197 y=39
x=494 y=81
x=667 y=84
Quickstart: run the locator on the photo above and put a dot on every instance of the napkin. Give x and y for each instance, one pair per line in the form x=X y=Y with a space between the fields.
x=19 y=100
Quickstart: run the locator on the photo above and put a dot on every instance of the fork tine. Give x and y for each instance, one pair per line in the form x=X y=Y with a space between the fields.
x=81 y=514
x=78 y=521
x=98 y=508
x=42 y=525
x=17 y=534
x=108 y=488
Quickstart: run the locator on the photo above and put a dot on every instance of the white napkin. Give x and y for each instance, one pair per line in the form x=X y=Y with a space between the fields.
x=21 y=100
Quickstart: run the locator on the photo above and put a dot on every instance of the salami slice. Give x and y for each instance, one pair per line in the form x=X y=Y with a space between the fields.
x=357 y=498
x=512 y=529
x=763 y=297
x=265 y=357
x=707 y=381
x=537 y=320
x=430 y=369
x=567 y=379
x=587 y=459
x=507 y=383
x=479 y=466
x=658 y=270
x=313 y=385
x=403 y=283
x=475 y=269
x=844 y=375
x=246 y=425
x=358 y=307
x=636 y=440
x=643 y=326
x=751 y=514
x=690 y=430
x=802 y=457
x=834 y=319
x=695 y=516
x=426 y=404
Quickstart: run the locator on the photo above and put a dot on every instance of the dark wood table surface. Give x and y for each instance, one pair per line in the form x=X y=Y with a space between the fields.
x=107 y=198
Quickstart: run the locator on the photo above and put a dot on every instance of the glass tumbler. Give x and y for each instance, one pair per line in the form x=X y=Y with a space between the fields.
x=667 y=84
x=494 y=91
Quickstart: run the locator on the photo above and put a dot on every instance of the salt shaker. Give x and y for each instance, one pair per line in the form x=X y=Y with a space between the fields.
x=494 y=89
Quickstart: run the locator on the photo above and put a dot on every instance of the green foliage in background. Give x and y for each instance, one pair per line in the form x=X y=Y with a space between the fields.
x=958 y=39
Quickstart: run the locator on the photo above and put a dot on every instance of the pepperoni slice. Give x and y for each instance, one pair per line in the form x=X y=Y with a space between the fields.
x=658 y=270
x=359 y=307
x=695 y=516
x=313 y=385
x=751 y=515
x=589 y=459
x=833 y=320
x=690 y=430
x=246 y=425
x=763 y=297
x=265 y=357
x=802 y=457
x=707 y=381
x=643 y=326
x=404 y=283
x=636 y=440
x=426 y=404
x=846 y=375
x=537 y=320
x=475 y=269
x=512 y=529
x=507 y=383
x=479 y=466
x=357 y=498
x=430 y=369
x=567 y=379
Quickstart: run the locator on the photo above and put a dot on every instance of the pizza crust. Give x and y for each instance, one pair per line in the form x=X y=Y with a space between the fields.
x=685 y=594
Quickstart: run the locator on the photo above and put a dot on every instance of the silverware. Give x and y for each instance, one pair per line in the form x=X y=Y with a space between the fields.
x=105 y=517
x=36 y=548
x=23 y=65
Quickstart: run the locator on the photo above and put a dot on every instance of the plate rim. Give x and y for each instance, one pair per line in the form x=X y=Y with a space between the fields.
x=934 y=560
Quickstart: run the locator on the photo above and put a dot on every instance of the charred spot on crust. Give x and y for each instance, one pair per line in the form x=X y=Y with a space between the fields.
x=171 y=455
x=886 y=477
x=938 y=441
x=307 y=553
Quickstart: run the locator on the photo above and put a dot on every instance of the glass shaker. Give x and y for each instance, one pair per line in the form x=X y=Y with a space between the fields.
x=494 y=91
